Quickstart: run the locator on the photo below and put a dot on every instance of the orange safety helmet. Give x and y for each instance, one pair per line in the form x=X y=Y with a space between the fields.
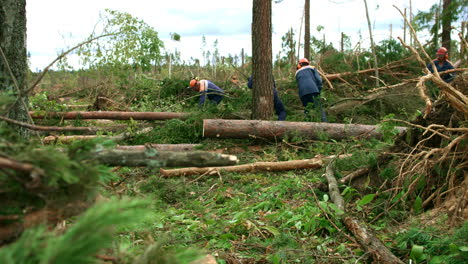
x=193 y=83
x=442 y=51
x=304 y=60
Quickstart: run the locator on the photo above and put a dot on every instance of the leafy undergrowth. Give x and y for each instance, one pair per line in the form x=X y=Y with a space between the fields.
x=277 y=217
x=249 y=217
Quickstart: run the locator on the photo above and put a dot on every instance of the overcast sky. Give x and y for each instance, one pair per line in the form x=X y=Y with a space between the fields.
x=54 y=25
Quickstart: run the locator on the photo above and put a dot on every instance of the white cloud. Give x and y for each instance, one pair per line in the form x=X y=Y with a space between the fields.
x=54 y=25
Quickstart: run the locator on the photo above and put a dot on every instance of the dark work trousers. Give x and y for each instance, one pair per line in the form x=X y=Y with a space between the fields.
x=279 y=107
x=312 y=101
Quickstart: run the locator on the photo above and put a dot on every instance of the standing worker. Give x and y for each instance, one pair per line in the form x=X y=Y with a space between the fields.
x=207 y=89
x=309 y=84
x=280 y=110
x=442 y=64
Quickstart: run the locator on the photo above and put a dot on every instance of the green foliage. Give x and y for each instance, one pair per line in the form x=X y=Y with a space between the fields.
x=429 y=245
x=388 y=129
x=40 y=102
x=133 y=44
x=364 y=200
x=426 y=19
x=333 y=61
x=62 y=177
x=390 y=50
x=79 y=244
x=6 y=99
x=173 y=131
x=172 y=87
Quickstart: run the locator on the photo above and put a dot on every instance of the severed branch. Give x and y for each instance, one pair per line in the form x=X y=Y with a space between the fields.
x=353 y=175
x=316 y=162
x=366 y=239
x=257 y=166
x=20 y=166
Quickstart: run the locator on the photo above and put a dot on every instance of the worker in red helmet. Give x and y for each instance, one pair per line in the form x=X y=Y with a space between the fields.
x=442 y=64
x=309 y=85
x=207 y=89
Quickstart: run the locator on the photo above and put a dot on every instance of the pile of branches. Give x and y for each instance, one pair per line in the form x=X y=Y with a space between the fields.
x=432 y=154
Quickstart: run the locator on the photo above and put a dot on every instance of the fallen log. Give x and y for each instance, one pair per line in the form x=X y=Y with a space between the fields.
x=113 y=115
x=69 y=139
x=272 y=130
x=62 y=128
x=257 y=166
x=366 y=239
x=153 y=158
x=162 y=147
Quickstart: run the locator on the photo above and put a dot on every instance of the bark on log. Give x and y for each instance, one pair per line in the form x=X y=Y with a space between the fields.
x=257 y=166
x=153 y=158
x=190 y=147
x=219 y=128
x=69 y=139
x=161 y=147
x=20 y=166
x=333 y=189
x=372 y=244
x=113 y=115
x=377 y=249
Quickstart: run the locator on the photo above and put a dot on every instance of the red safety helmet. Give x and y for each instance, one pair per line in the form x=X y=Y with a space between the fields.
x=304 y=60
x=193 y=83
x=442 y=51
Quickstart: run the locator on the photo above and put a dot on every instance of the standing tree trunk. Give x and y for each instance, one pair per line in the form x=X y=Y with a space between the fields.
x=376 y=65
x=262 y=75
x=307 y=29
x=13 y=58
x=411 y=21
x=446 y=24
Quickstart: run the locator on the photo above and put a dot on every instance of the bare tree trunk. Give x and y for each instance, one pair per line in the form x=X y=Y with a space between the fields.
x=411 y=21
x=307 y=29
x=242 y=58
x=405 y=25
x=342 y=42
x=271 y=130
x=376 y=65
x=446 y=25
x=464 y=27
x=262 y=74
x=13 y=59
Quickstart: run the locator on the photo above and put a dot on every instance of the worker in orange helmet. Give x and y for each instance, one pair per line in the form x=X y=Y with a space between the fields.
x=442 y=64
x=207 y=89
x=309 y=85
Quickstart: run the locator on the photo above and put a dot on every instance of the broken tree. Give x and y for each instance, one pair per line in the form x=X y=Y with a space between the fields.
x=220 y=128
